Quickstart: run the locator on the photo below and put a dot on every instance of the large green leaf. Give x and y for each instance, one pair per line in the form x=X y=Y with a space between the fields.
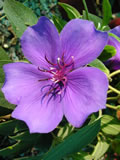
x=108 y=52
x=75 y=142
x=98 y=64
x=107 y=12
x=110 y=125
x=100 y=149
x=71 y=11
x=19 y=16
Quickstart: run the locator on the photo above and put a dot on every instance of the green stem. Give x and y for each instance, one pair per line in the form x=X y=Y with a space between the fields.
x=86 y=9
x=110 y=91
x=114 y=73
x=111 y=107
x=100 y=113
x=114 y=90
x=112 y=98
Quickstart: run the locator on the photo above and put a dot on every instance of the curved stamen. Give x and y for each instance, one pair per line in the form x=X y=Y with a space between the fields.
x=49 y=61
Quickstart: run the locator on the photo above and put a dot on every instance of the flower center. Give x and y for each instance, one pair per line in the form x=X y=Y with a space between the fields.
x=59 y=73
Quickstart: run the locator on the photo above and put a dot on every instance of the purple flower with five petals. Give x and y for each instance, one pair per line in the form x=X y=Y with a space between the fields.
x=57 y=82
x=114 y=62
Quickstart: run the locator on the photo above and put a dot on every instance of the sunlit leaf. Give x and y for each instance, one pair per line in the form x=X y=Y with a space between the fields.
x=110 y=125
x=108 y=52
x=98 y=64
x=100 y=149
x=71 y=11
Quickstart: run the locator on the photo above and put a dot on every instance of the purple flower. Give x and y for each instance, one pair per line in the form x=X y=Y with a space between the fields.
x=56 y=84
x=114 y=62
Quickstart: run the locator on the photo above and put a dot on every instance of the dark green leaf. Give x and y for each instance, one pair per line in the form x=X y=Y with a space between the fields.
x=110 y=125
x=108 y=52
x=59 y=23
x=71 y=11
x=19 y=16
x=98 y=64
x=12 y=126
x=107 y=12
x=74 y=142
x=16 y=149
x=116 y=145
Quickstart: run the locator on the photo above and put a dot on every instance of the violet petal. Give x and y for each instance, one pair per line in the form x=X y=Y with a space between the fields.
x=21 y=79
x=86 y=93
x=39 y=41
x=80 y=39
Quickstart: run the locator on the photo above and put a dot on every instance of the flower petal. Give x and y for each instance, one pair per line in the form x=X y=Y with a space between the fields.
x=21 y=80
x=116 y=31
x=114 y=62
x=39 y=41
x=80 y=39
x=86 y=93
x=40 y=117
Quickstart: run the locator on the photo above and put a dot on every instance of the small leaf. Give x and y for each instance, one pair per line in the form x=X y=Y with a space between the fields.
x=71 y=11
x=110 y=125
x=108 y=52
x=98 y=64
x=19 y=16
x=100 y=149
x=75 y=142
x=59 y=23
x=107 y=12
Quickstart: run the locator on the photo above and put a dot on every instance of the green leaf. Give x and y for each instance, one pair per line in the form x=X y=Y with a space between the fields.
x=19 y=16
x=59 y=23
x=25 y=141
x=4 y=59
x=116 y=145
x=108 y=52
x=12 y=126
x=97 y=21
x=98 y=64
x=71 y=11
x=4 y=103
x=3 y=54
x=107 y=12
x=100 y=149
x=75 y=142
x=110 y=125
x=16 y=149
x=113 y=35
